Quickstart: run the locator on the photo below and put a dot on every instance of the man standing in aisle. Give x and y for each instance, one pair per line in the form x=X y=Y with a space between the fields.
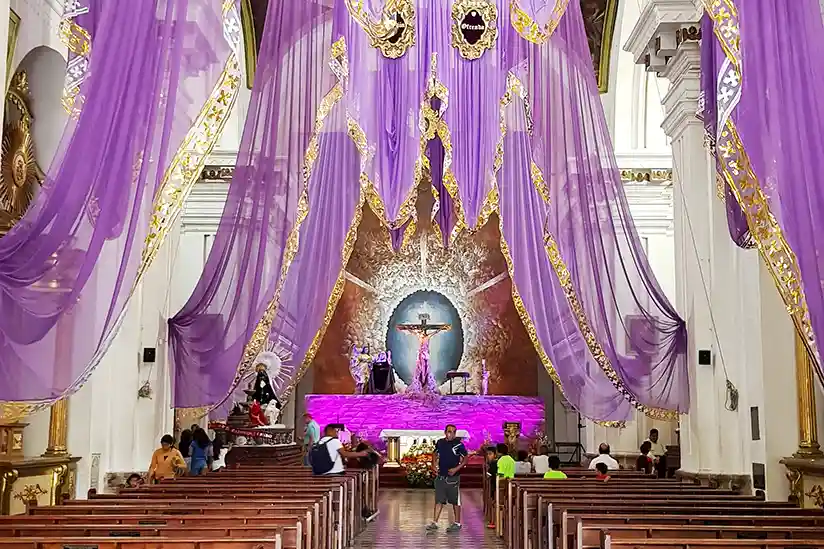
x=450 y=457
x=311 y=435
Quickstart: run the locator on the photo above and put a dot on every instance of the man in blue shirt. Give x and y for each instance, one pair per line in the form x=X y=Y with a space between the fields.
x=450 y=457
x=311 y=435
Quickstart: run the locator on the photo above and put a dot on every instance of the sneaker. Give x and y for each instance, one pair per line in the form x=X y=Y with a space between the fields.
x=454 y=527
x=432 y=526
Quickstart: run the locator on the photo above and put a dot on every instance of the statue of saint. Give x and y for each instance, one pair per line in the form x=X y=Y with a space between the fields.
x=359 y=366
x=265 y=406
x=423 y=382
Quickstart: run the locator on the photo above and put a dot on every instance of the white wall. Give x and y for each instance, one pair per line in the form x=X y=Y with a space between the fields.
x=45 y=68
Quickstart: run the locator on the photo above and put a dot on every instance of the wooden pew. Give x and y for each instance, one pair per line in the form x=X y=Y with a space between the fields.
x=589 y=528
x=678 y=543
x=139 y=543
x=291 y=535
x=524 y=508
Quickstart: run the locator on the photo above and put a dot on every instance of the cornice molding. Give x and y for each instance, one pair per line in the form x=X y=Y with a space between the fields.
x=654 y=38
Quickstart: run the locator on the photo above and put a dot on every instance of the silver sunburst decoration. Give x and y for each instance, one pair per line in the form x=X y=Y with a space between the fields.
x=277 y=358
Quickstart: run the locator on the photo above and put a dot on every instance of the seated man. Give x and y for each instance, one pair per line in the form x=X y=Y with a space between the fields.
x=604 y=457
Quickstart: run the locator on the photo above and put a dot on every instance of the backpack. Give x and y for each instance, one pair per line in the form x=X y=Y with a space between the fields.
x=320 y=459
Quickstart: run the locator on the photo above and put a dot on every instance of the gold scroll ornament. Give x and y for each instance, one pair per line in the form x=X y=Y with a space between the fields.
x=394 y=33
x=474 y=27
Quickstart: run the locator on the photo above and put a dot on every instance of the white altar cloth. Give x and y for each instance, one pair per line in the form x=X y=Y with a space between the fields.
x=419 y=433
x=408 y=437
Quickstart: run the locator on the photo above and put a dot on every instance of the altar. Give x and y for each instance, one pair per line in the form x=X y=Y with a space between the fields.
x=477 y=418
x=399 y=441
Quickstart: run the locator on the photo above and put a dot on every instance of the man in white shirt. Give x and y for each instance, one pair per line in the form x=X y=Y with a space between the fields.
x=604 y=457
x=541 y=462
x=337 y=453
x=658 y=452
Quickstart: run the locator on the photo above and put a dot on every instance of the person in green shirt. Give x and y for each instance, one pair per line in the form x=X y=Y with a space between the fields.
x=554 y=468
x=506 y=465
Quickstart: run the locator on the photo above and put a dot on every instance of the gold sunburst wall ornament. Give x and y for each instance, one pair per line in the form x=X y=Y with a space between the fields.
x=20 y=176
x=474 y=27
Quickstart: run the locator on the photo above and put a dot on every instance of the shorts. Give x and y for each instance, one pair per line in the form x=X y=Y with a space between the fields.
x=448 y=490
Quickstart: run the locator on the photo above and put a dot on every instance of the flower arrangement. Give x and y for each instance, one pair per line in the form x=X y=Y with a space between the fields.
x=417 y=463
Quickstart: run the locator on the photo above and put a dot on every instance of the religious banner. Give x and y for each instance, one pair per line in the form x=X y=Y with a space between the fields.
x=474 y=27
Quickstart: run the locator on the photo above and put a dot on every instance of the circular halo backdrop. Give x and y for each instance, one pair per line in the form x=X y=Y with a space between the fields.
x=445 y=348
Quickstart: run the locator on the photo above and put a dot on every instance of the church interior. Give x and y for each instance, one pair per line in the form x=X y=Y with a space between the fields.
x=235 y=234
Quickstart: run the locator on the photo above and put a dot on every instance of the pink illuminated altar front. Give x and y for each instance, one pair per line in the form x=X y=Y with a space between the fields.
x=481 y=416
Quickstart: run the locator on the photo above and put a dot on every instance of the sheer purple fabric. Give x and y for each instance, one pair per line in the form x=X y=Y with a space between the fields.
x=68 y=268
x=275 y=270
x=711 y=59
x=608 y=335
x=779 y=120
x=610 y=332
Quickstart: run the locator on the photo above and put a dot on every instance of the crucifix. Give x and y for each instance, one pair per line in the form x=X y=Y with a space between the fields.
x=423 y=381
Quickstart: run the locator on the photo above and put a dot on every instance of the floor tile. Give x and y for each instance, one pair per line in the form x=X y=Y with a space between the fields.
x=405 y=514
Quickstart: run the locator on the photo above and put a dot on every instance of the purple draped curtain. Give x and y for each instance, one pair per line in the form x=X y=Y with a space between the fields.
x=69 y=267
x=607 y=334
x=711 y=59
x=277 y=254
x=608 y=329
x=773 y=146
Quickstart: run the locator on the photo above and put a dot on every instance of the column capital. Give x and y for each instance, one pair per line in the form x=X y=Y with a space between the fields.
x=683 y=99
x=662 y=27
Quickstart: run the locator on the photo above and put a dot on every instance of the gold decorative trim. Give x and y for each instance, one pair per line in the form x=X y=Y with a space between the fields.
x=737 y=171
x=529 y=29
x=14 y=32
x=260 y=335
x=250 y=45
x=79 y=42
x=663 y=176
x=474 y=16
x=606 y=45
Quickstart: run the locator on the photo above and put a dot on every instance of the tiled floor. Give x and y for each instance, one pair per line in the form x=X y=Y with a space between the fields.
x=405 y=514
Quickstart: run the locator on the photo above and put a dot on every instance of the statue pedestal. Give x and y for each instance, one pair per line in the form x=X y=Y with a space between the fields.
x=39 y=481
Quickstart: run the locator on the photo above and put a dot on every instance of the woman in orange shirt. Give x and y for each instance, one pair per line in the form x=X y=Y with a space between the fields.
x=167 y=460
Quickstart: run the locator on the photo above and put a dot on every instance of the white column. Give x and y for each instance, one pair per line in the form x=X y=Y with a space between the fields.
x=722 y=291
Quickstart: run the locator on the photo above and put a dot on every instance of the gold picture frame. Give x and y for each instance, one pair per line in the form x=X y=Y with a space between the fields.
x=474 y=27
x=14 y=32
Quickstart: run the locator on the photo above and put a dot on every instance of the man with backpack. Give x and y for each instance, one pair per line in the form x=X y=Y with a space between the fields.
x=328 y=454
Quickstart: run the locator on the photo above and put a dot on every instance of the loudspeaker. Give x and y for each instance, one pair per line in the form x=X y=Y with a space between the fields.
x=149 y=354
x=704 y=357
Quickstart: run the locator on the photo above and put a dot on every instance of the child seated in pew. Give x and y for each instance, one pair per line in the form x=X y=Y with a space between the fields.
x=602 y=472
x=506 y=465
x=134 y=481
x=645 y=462
x=554 y=468
x=167 y=461
x=523 y=466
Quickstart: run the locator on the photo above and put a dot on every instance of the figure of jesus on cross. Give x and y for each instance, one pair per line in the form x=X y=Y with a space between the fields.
x=423 y=382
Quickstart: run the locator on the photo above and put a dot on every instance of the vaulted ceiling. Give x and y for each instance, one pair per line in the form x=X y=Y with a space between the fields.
x=599 y=21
